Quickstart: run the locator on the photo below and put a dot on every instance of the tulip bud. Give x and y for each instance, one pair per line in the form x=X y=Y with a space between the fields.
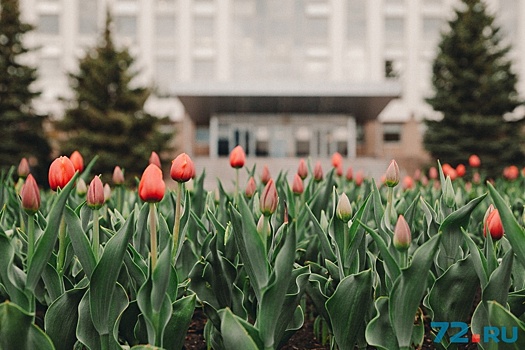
x=297 y=185
x=337 y=160
x=493 y=225
x=154 y=159
x=392 y=174
x=251 y=187
x=302 y=170
x=107 y=192
x=433 y=173
x=402 y=235
x=344 y=208
x=182 y=168
x=474 y=161
x=269 y=199
x=60 y=172
x=23 y=168
x=339 y=170
x=461 y=170
x=448 y=193
x=152 y=186
x=359 y=178
x=81 y=187
x=77 y=160
x=511 y=172
x=30 y=195
x=95 y=194
x=265 y=176
x=349 y=173
x=408 y=182
x=318 y=172
x=237 y=157
x=263 y=227
x=118 y=176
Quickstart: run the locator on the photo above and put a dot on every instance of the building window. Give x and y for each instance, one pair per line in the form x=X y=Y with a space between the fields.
x=431 y=30
x=165 y=26
x=165 y=72
x=262 y=146
x=390 y=70
x=392 y=132
x=316 y=31
x=356 y=21
x=126 y=25
x=394 y=32
x=203 y=31
x=87 y=17
x=203 y=69
x=49 y=24
x=202 y=135
x=302 y=141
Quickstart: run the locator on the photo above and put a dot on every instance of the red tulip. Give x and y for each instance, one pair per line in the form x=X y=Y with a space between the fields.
x=297 y=185
x=265 y=176
x=60 y=172
x=95 y=194
x=511 y=172
x=77 y=160
x=408 y=182
x=30 y=195
x=339 y=170
x=23 y=168
x=118 y=176
x=251 y=187
x=302 y=170
x=392 y=174
x=318 y=171
x=474 y=161
x=493 y=225
x=337 y=160
x=237 y=157
x=152 y=186
x=349 y=173
x=359 y=178
x=461 y=170
x=154 y=159
x=433 y=173
x=182 y=168
x=269 y=199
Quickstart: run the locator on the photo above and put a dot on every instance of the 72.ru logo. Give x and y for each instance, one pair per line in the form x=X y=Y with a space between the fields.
x=490 y=333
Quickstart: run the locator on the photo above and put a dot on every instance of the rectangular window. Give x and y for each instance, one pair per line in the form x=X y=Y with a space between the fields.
x=165 y=26
x=392 y=132
x=165 y=73
x=126 y=25
x=394 y=32
x=356 y=22
x=87 y=17
x=203 y=31
x=203 y=69
x=49 y=24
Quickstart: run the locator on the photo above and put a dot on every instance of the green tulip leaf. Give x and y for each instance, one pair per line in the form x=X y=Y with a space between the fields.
x=177 y=327
x=11 y=276
x=80 y=242
x=237 y=336
x=500 y=317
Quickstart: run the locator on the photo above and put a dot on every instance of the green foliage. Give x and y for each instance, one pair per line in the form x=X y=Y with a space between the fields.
x=107 y=117
x=474 y=86
x=22 y=129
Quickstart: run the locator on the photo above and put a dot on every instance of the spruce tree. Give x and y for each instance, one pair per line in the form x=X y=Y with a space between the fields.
x=106 y=116
x=474 y=87
x=22 y=133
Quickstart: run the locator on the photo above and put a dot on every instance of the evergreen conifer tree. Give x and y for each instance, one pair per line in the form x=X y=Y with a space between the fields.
x=474 y=87
x=22 y=133
x=107 y=117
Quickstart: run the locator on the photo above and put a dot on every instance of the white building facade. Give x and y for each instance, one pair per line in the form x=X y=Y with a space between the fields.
x=214 y=50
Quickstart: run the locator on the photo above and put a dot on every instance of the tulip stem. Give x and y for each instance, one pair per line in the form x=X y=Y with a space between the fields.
x=96 y=233
x=30 y=238
x=61 y=247
x=403 y=261
x=176 y=226
x=236 y=183
x=153 y=235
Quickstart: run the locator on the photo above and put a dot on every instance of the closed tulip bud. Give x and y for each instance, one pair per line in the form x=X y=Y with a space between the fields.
x=237 y=157
x=461 y=170
x=251 y=187
x=107 y=192
x=77 y=160
x=349 y=173
x=402 y=234
x=337 y=160
x=60 y=172
x=95 y=194
x=81 y=187
x=265 y=175
x=30 y=195
x=448 y=193
x=302 y=170
x=493 y=225
x=152 y=186
x=433 y=173
x=408 y=182
x=339 y=170
x=263 y=227
x=392 y=174
x=474 y=161
x=359 y=178
x=511 y=172
x=118 y=176
x=344 y=208
x=297 y=185
x=154 y=159
x=182 y=168
x=318 y=172
x=269 y=199
x=23 y=168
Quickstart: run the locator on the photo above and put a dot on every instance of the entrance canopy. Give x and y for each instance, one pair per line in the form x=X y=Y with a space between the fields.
x=364 y=101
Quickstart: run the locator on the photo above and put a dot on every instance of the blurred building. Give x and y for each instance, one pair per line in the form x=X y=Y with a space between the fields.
x=283 y=78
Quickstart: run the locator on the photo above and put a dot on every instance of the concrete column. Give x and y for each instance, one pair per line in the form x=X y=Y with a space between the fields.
x=214 y=137
x=223 y=39
x=375 y=38
x=520 y=47
x=146 y=39
x=413 y=27
x=337 y=38
x=69 y=30
x=351 y=137
x=185 y=51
